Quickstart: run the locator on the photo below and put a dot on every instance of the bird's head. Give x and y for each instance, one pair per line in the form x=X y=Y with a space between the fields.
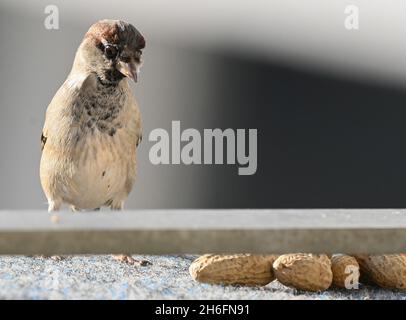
x=112 y=49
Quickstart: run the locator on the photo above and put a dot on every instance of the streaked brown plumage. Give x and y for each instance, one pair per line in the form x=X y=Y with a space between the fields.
x=93 y=125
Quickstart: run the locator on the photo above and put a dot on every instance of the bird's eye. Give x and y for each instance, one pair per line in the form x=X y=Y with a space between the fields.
x=110 y=51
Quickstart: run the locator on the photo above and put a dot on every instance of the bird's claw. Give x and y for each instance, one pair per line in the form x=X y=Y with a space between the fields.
x=130 y=260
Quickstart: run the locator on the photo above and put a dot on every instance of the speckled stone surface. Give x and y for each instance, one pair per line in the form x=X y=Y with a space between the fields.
x=102 y=277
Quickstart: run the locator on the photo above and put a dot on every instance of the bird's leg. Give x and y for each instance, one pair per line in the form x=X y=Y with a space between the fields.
x=54 y=205
x=74 y=209
x=119 y=205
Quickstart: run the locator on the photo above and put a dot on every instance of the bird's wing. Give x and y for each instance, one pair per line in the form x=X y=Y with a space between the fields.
x=135 y=115
x=139 y=139
x=43 y=139
x=59 y=111
x=139 y=128
x=138 y=122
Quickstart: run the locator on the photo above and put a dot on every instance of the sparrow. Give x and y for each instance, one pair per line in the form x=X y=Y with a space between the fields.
x=93 y=124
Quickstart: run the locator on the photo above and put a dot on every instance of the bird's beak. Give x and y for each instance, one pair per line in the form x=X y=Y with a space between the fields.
x=128 y=69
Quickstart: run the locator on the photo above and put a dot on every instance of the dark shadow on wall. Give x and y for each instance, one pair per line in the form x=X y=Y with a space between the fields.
x=322 y=141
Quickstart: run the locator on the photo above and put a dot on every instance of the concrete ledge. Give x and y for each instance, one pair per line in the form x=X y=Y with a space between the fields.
x=203 y=231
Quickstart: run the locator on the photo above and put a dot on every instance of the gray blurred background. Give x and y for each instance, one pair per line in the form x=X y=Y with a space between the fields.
x=328 y=103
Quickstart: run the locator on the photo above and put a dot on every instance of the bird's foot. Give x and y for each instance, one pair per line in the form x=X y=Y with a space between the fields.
x=130 y=260
x=54 y=258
